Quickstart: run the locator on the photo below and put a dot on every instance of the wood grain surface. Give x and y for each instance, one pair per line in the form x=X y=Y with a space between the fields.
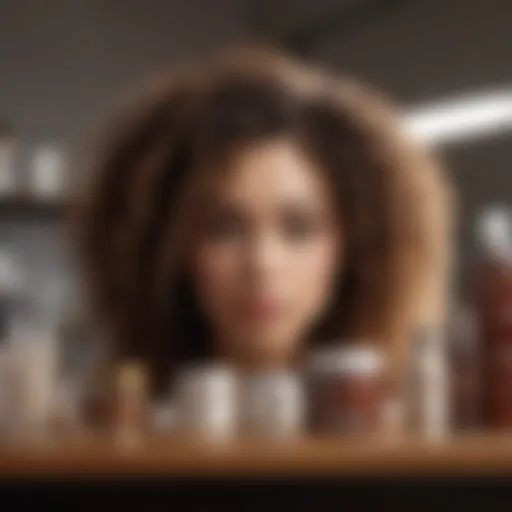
x=87 y=457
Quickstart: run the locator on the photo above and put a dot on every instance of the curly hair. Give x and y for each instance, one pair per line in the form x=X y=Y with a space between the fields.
x=393 y=200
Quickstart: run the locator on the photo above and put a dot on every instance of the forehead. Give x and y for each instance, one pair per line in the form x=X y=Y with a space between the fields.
x=271 y=172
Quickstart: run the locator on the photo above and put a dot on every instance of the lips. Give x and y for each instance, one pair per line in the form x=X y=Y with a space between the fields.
x=262 y=310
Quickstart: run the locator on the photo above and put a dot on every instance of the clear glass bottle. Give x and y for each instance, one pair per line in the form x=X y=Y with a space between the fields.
x=428 y=390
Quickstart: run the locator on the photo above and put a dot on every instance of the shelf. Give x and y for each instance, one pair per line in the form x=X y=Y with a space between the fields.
x=25 y=207
x=156 y=457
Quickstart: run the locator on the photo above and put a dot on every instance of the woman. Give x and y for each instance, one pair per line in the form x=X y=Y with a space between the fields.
x=254 y=206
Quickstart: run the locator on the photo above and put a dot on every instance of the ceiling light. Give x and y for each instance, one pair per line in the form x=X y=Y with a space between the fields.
x=463 y=118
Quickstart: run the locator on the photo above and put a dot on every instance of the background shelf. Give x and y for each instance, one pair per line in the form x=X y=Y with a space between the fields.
x=32 y=208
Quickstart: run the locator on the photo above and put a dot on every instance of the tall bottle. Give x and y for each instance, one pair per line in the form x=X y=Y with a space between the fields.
x=465 y=370
x=493 y=300
x=429 y=413
x=428 y=405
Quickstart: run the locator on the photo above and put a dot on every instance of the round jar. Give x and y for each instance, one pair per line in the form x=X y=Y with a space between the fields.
x=206 y=401
x=272 y=404
x=346 y=390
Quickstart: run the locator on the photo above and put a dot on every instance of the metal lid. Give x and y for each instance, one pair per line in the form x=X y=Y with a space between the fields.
x=211 y=373
x=353 y=359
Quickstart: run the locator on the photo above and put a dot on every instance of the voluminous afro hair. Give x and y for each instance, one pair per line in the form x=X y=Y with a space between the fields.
x=394 y=201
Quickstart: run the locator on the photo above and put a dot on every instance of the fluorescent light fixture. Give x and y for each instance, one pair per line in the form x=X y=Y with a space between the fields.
x=463 y=118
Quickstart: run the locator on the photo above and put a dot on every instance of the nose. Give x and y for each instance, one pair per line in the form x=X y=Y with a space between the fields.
x=265 y=255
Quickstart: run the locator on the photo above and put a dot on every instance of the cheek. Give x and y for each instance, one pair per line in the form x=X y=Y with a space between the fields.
x=216 y=273
x=314 y=273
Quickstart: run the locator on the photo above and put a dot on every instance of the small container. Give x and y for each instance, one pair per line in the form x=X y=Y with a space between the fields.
x=347 y=390
x=33 y=381
x=428 y=389
x=47 y=173
x=131 y=403
x=207 y=402
x=272 y=404
x=66 y=413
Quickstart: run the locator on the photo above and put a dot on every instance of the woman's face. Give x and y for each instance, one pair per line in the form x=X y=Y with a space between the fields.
x=267 y=253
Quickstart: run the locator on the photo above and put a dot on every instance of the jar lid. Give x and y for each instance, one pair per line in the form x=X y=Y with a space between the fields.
x=212 y=373
x=352 y=359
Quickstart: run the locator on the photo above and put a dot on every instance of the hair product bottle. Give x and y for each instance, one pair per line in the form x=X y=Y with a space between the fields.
x=493 y=300
x=428 y=386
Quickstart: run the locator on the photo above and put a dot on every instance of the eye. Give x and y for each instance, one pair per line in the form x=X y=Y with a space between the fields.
x=224 y=225
x=301 y=225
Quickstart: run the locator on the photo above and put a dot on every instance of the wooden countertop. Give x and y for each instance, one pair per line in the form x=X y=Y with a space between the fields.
x=160 y=456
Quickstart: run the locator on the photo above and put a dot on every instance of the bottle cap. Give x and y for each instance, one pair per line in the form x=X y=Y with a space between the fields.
x=132 y=375
x=494 y=232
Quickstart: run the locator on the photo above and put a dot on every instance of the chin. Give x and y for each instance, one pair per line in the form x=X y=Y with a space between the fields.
x=265 y=344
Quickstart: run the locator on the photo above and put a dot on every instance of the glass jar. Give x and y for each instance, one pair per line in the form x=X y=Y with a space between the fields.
x=272 y=404
x=131 y=402
x=346 y=390
x=206 y=397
